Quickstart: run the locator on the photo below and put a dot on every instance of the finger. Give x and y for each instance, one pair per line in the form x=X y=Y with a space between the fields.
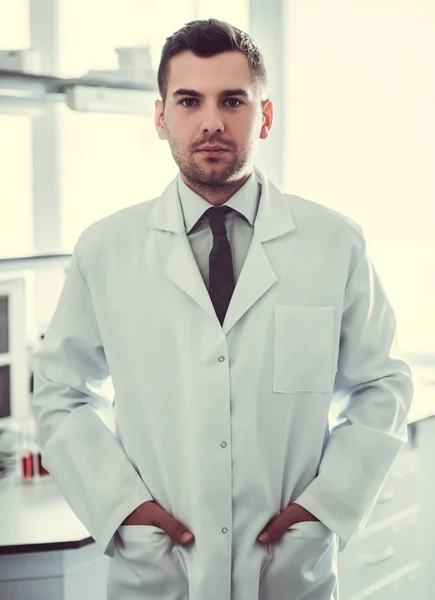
x=177 y=531
x=276 y=527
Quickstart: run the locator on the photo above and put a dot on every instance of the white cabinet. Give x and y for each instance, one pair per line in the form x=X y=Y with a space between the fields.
x=74 y=574
x=45 y=551
x=426 y=529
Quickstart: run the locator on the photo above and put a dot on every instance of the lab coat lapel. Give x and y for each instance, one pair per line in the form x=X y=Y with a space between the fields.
x=258 y=274
x=181 y=266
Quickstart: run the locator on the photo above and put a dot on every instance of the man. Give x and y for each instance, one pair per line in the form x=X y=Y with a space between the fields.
x=252 y=352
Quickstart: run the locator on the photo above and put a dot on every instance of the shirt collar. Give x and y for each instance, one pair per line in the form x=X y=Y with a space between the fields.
x=245 y=201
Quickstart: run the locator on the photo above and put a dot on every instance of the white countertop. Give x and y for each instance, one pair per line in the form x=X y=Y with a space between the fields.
x=36 y=513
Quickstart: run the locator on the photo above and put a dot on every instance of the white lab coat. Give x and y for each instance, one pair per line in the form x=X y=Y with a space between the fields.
x=301 y=397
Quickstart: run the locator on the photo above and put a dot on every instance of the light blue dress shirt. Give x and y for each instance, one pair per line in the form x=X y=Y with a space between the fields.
x=239 y=225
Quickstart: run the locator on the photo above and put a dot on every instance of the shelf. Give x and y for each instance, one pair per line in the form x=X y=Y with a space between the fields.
x=57 y=85
x=29 y=94
x=34 y=261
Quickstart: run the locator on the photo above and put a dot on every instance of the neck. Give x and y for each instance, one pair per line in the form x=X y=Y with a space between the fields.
x=216 y=195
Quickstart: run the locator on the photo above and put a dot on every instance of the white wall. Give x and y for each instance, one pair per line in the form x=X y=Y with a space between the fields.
x=360 y=136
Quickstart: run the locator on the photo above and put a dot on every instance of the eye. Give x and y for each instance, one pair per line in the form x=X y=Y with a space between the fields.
x=187 y=100
x=195 y=100
x=234 y=100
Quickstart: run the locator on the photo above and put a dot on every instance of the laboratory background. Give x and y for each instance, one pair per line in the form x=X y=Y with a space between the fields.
x=353 y=86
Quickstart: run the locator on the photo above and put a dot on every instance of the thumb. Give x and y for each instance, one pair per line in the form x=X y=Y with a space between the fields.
x=275 y=527
x=176 y=530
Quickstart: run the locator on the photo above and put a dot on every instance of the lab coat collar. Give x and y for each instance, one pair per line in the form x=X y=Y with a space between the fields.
x=273 y=218
x=258 y=274
x=244 y=201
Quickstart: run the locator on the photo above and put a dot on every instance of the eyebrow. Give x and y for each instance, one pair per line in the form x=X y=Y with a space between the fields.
x=223 y=94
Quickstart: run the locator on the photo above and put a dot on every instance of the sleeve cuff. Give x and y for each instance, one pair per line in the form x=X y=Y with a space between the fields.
x=312 y=504
x=106 y=541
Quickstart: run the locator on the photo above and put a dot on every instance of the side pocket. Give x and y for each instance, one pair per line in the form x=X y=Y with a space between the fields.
x=269 y=556
x=183 y=564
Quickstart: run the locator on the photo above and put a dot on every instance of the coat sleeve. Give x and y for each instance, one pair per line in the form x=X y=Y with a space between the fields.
x=373 y=392
x=91 y=469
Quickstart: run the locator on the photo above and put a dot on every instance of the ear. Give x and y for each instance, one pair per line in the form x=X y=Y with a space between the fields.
x=267 y=118
x=159 y=120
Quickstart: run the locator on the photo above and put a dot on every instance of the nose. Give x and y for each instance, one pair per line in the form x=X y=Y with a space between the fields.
x=212 y=121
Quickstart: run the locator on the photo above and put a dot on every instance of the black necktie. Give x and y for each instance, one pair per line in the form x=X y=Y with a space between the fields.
x=221 y=276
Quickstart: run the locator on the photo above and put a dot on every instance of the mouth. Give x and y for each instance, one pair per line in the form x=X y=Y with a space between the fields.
x=212 y=152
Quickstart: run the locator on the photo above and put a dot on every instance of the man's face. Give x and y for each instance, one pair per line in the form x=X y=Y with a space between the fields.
x=207 y=114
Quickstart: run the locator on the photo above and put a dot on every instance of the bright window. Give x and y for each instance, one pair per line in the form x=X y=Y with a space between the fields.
x=15 y=145
x=14 y=24
x=90 y=31
x=16 y=229
x=108 y=162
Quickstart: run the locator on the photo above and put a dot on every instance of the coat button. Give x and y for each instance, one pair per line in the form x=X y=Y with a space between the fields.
x=221 y=358
x=224 y=530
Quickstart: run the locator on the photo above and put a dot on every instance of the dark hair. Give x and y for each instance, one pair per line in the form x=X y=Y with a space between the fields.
x=207 y=38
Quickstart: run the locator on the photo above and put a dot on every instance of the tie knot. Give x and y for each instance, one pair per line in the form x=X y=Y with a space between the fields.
x=216 y=216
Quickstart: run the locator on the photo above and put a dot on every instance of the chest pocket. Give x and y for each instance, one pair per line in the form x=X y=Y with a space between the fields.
x=303 y=348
